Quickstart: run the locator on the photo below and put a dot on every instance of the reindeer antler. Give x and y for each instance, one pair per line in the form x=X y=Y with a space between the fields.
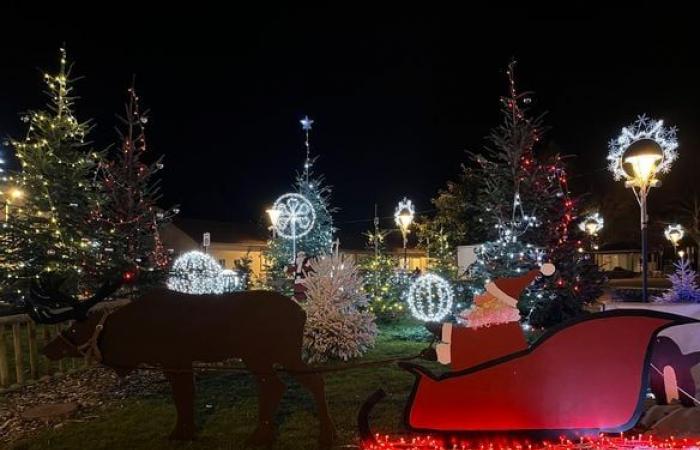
x=48 y=304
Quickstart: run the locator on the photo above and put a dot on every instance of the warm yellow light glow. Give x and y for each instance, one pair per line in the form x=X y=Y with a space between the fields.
x=681 y=253
x=16 y=194
x=405 y=218
x=644 y=166
x=274 y=215
x=591 y=227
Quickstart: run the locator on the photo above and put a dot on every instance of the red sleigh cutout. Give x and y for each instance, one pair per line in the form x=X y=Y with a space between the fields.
x=586 y=376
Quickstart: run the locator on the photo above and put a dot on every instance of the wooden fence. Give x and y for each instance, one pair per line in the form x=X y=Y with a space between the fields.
x=20 y=341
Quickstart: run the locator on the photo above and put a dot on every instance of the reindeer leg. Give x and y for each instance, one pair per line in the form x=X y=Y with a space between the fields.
x=270 y=391
x=314 y=383
x=182 y=384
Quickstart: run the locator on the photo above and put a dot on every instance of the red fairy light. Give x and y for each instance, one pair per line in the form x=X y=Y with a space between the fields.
x=507 y=443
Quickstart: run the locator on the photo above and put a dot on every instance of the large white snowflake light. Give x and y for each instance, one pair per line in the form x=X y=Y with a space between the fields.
x=430 y=298
x=643 y=128
x=296 y=216
x=196 y=273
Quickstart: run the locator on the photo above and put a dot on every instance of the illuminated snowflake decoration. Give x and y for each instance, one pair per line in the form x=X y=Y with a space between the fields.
x=430 y=298
x=643 y=128
x=196 y=273
x=592 y=224
x=405 y=206
x=296 y=216
x=231 y=281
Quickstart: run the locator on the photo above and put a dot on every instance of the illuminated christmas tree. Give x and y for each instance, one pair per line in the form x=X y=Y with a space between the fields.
x=129 y=215
x=50 y=228
x=520 y=210
x=684 y=285
x=319 y=240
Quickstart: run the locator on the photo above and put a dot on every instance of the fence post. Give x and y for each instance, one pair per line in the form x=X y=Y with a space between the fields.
x=4 y=370
x=19 y=362
x=33 y=366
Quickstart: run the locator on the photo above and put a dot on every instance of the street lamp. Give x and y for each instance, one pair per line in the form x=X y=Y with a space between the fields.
x=274 y=215
x=13 y=194
x=638 y=155
x=674 y=233
x=403 y=217
x=591 y=225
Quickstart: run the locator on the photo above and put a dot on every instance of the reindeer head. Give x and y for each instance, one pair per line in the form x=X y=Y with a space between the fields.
x=46 y=304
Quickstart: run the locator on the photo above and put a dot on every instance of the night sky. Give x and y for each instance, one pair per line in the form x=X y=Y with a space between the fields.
x=398 y=94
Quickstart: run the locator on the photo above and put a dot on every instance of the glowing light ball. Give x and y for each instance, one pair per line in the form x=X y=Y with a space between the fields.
x=430 y=298
x=196 y=273
x=231 y=281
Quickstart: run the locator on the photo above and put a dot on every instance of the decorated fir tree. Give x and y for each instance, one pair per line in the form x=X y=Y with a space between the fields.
x=50 y=230
x=130 y=218
x=684 y=285
x=384 y=283
x=440 y=249
x=339 y=324
x=522 y=214
x=319 y=240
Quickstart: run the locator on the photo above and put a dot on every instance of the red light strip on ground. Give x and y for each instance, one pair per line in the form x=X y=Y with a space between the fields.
x=639 y=442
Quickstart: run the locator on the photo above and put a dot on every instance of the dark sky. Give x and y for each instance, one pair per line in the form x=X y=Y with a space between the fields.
x=397 y=94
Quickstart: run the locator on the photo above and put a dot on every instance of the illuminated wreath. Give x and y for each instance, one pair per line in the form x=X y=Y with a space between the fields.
x=643 y=129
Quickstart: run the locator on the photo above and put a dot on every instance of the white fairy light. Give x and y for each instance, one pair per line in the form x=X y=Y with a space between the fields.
x=196 y=273
x=430 y=298
x=643 y=128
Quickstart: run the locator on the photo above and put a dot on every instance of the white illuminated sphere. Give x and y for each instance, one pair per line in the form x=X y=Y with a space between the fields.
x=196 y=273
x=231 y=281
x=430 y=298
x=296 y=216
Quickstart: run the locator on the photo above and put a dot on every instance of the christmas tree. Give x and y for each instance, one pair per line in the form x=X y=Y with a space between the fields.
x=384 y=283
x=129 y=215
x=49 y=227
x=521 y=212
x=684 y=285
x=339 y=324
x=318 y=241
x=440 y=248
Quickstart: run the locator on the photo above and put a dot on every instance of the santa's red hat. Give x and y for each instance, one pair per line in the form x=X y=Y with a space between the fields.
x=508 y=290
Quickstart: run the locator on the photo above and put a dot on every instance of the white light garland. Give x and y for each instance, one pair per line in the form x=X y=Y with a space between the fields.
x=430 y=298
x=231 y=281
x=196 y=273
x=643 y=128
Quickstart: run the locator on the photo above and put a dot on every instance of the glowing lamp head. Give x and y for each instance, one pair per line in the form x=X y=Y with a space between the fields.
x=681 y=253
x=641 y=160
x=404 y=214
x=405 y=219
x=16 y=194
x=674 y=233
x=274 y=215
x=592 y=224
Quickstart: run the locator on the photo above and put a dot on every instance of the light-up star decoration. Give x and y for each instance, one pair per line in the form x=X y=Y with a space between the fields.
x=642 y=129
x=306 y=123
x=296 y=217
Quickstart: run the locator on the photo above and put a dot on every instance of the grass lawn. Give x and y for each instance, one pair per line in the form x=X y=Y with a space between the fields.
x=227 y=408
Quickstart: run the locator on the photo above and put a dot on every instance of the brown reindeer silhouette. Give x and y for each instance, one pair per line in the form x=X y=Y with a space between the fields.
x=171 y=330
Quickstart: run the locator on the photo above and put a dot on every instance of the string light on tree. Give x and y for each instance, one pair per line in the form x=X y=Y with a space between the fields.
x=196 y=273
x=430 y=298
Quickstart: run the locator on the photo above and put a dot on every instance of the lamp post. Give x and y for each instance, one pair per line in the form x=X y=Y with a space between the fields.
x=642 y=151
x=591 y=225
x=403 y=217
x=274 y=215
x=674 y=233
x=14 y=194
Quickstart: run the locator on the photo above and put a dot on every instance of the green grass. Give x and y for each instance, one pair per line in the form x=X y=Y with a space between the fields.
x=227 y=408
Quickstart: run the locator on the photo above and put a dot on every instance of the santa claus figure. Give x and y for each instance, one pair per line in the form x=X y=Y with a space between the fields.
x=300 y=270
x=490 y=328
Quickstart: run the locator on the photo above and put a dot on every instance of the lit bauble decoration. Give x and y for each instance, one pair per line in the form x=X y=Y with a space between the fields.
x=196 y=273
x=430 y=298
x=296 y=216
x=231 y=281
